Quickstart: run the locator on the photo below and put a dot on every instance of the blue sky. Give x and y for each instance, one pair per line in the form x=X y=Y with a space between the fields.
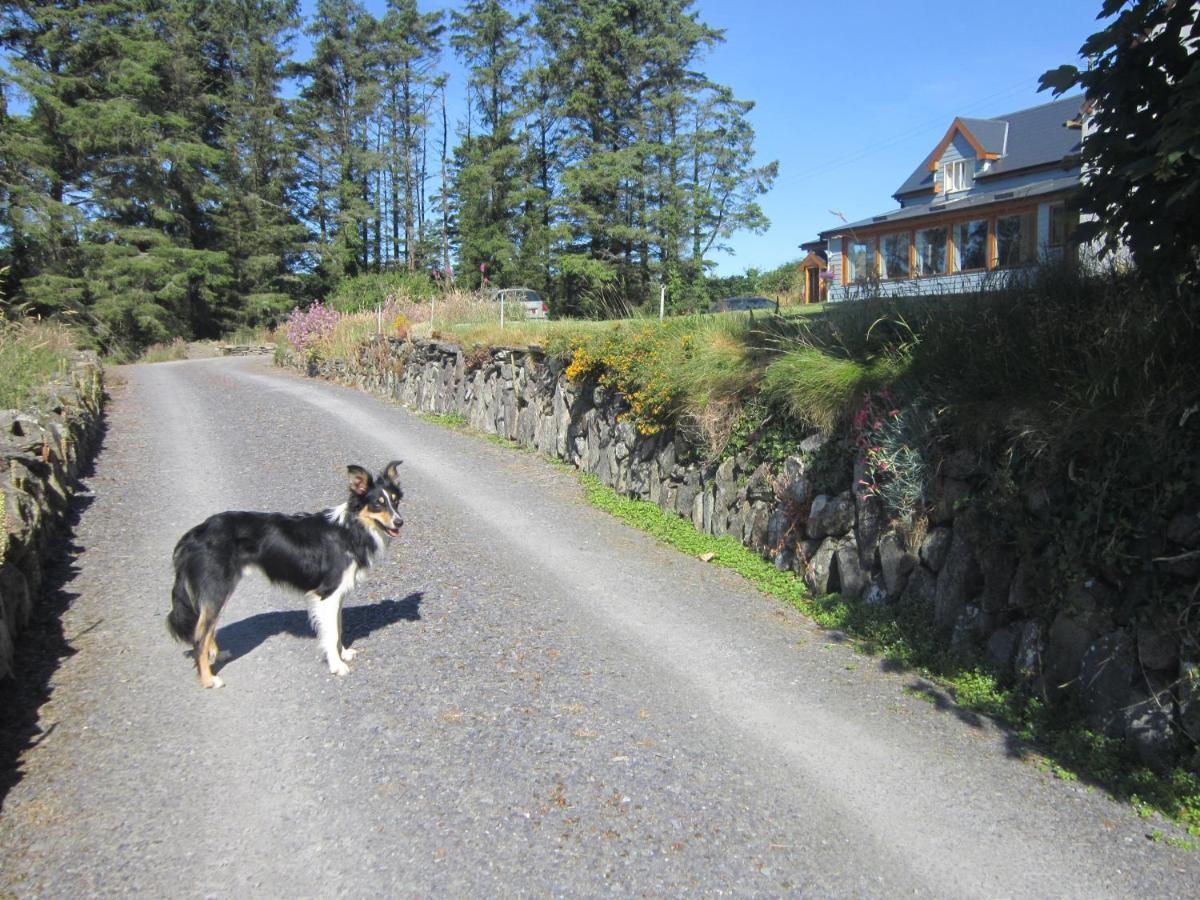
x=851 y=97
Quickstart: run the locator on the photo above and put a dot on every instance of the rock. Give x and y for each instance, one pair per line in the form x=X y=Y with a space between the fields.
x=935 y=547
x=1150 y=732
x=759 y=488
x=830 y=516
x=1002 y=647
x=757 y=526
x=1157 y=644
x=820 y=573
x=951 y=493
x=1184 y=529
x=1106 y=675
x=1021 y=593
x=1067 y=642
x=968 y=630
x=870 y=522
x=852 y=581
x=895 y=562
x=877 y=593
x=1187 y=690
x=1027 y=661
x=784 y=560
x=813 y=443
x=958 y=583
x=961 y=465
x=921 y=590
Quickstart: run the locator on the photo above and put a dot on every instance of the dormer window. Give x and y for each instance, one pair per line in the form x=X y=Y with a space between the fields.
x=957 y=175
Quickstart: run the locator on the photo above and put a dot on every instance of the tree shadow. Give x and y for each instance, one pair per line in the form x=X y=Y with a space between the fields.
x=243 y=637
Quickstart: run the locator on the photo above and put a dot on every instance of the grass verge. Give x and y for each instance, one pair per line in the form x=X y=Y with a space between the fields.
x=31 y=354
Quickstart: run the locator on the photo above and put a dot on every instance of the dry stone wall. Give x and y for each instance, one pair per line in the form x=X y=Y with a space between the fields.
x=42 y=452
x=1137 y=680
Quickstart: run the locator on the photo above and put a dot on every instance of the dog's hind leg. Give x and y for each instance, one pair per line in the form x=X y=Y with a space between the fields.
x=205 y=650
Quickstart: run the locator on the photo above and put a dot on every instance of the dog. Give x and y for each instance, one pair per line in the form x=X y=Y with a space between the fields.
x=322 y=555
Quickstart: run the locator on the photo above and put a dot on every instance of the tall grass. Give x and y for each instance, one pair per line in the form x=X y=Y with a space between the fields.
x=31 y=354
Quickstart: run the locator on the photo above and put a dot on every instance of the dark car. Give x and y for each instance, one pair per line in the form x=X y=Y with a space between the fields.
x=742 y=304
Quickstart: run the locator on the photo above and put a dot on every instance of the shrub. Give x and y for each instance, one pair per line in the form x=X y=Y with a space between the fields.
x=305 y=328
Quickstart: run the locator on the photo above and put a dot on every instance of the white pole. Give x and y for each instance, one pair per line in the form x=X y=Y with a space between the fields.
x=501 y=312
x=378 y=319
x=662 y=301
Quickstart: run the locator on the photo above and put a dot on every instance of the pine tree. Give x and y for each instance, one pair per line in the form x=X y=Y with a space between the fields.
x=410 y=50
x=487 y=181
x=254 y=222
x=334 y=115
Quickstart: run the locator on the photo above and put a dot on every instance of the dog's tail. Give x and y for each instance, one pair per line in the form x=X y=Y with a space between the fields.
x=185 y=611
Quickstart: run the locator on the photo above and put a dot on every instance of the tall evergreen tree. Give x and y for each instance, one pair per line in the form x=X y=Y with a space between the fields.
x=486 y=35
x=334 y=119
x=246 y=55
x=410 y=48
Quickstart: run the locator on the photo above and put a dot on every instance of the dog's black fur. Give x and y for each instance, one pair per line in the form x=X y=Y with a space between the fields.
x=320 y=554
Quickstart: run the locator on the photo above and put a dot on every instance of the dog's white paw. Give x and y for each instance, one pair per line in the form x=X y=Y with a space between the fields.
x=348 y=654
x=216 y=682
x=338 y=668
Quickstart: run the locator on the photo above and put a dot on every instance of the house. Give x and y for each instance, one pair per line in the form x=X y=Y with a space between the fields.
x=988 y=198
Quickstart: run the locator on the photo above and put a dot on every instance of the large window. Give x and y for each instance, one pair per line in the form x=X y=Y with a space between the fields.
x=931 y=251
x=971 y=244
x=893 y=248
x=1014 y=240
x=860 y=261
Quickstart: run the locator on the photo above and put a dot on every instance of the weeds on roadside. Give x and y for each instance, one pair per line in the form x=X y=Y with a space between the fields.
x=32 y=353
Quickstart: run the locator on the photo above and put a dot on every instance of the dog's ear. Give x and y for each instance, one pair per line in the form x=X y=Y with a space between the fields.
x=391 y=472
x=360 y=479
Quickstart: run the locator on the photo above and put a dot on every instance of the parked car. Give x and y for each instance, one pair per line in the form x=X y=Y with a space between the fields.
x=741 y=304
x=531 y=300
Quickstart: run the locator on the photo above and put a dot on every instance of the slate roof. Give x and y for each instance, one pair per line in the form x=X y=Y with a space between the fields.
x=973 y=199
x=1028 y=137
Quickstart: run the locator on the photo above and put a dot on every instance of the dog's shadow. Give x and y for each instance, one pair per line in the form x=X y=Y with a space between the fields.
x=240 y=638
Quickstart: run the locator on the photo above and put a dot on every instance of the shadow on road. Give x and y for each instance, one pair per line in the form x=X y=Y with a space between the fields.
x=39 y=650
x=241 y=638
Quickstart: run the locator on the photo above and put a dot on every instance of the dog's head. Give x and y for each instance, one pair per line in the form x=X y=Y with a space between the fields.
x=375 y=500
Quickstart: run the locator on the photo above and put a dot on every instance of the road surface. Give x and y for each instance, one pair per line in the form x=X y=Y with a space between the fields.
x=544 y=701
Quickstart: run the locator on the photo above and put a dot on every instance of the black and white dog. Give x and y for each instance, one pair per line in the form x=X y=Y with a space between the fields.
x=320 y=554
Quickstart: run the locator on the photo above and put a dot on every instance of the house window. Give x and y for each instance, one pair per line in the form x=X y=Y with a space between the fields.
x=957 y=175
x=931 y=251
x=860 y=262
x=971 y=242
x=1058 y=226
x=894 y=250
x=1014 y=240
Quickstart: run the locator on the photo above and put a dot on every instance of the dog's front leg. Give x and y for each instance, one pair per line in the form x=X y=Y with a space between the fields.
x=326 y=615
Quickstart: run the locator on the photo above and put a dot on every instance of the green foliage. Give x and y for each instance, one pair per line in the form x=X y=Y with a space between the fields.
x=1143 y=156
x=364 y=293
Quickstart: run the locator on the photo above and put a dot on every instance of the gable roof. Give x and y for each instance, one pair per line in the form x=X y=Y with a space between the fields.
x=1019 y=140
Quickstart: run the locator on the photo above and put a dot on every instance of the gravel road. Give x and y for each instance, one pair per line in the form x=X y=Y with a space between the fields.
x=544 y=702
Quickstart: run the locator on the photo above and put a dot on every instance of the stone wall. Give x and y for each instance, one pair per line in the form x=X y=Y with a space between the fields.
x=42 y=452
x=1136 y=679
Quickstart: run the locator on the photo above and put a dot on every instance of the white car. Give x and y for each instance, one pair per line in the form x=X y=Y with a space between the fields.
x=531 y=300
